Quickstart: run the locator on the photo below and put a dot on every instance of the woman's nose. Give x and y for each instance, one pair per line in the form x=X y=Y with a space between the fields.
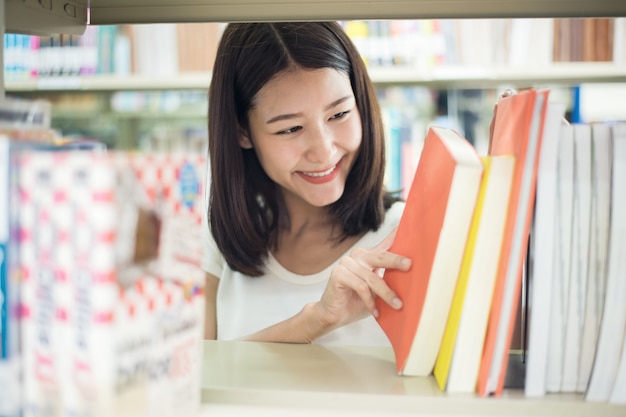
x=321 y=146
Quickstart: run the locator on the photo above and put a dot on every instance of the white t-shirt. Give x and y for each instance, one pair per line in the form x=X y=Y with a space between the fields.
x=247 y=304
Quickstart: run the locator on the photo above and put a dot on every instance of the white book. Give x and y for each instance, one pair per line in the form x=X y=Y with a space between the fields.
x=156 y=51
x=39 y=340
x=531 y=41
x=478 y=276
x=580 y=257
x=619 y=41
x=9 y=345
x=543 y=252
x=598 y=248
x=613 y=324
x=618 y=395
x=562 y=259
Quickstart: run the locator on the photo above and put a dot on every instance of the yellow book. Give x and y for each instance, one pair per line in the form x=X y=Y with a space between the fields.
x=458 y=361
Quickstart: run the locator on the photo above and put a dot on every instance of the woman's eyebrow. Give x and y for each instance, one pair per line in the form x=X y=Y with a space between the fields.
x=283 y=117
x=337 y=102
x=287 y=116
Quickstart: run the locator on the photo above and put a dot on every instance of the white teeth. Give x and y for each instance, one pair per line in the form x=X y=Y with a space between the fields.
x=320 y=174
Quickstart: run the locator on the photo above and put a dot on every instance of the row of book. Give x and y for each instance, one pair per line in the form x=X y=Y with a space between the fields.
x=577 y=277
x=155 y=49
x=586 y=40
x=408 y=112
x=101 y=287
x=27 y=57
x=467 y=224
x=168 y=49
x=487 y=43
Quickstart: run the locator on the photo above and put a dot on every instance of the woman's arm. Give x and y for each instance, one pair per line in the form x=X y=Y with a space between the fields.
x=349 y=296
x=210 y=297
x=304 y=327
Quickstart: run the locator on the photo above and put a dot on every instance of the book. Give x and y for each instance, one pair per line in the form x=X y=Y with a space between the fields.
x=598 y=248
x=432 y=232
x=562 y=259
x=24 y=124
x=613 y=324
x=517 y=128
x=456 y=369
x=576 y=297
x=542 y=239
x=5 y=162
x=618 y=393
x=10 y=404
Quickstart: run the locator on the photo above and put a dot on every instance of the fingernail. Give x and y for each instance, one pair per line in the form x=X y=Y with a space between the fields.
x=406 y=263
x=376 y=313
x=396 y=302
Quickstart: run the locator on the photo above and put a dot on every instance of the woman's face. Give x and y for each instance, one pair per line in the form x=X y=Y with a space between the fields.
x=306 y=130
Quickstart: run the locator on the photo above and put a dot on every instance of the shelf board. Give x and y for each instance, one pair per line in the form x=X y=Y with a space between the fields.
x=558 y=73
x=346 y=380
x=95 y=83
x=563 y=74
x=161 y=11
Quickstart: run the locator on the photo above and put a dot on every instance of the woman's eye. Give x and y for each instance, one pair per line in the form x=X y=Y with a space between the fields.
x=340 y=115
x=290 y=130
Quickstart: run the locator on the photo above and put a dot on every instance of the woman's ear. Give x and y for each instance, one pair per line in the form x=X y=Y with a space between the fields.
x=244 y=139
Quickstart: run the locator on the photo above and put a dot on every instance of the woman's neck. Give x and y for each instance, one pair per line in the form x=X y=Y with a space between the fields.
x=309 y=242
x=301 y=216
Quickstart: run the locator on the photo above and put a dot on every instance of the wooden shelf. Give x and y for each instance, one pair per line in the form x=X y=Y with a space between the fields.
x=342 y=380
x=560 y=73
x=44 y=17
x=566 y=73
x=152 y=11
x=99 y=83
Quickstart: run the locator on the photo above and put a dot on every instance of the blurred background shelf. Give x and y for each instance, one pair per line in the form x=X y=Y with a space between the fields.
x=460 y=76
x=111 y=82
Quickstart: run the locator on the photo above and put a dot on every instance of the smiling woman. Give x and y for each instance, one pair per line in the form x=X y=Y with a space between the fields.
x=299 y=220
x=315 y=144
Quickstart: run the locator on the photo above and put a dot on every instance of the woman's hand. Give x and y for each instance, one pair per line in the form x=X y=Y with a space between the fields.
x=356 y=282
x=353 y=286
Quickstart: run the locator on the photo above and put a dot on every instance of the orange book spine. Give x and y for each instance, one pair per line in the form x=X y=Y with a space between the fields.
x=424 y=217
x=512 y=129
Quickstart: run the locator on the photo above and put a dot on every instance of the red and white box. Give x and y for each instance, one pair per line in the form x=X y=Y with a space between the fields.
x=113 y=322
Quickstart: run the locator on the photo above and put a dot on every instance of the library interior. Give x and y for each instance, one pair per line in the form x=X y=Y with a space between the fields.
x=104 y=143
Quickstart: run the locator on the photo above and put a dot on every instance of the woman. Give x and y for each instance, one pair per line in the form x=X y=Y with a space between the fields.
x=299 y=221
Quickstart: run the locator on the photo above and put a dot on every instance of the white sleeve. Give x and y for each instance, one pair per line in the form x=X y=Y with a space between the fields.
x=213 y=261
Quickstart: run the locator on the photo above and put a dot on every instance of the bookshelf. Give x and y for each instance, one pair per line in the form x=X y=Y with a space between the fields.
x=145 y=11
x=224 y=393
x=349 y=381
x=459 y=76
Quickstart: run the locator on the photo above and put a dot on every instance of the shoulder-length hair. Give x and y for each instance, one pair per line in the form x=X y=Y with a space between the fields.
x=245 y=206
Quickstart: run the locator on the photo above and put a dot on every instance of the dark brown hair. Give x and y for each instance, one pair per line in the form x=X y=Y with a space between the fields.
x=244 y=204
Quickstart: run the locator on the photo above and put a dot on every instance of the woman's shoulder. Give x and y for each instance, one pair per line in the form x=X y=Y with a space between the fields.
x=394 y=213
x=391 y=221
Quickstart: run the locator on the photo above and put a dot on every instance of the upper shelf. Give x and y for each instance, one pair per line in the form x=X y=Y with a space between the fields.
x=41 y=17
x=153 y=11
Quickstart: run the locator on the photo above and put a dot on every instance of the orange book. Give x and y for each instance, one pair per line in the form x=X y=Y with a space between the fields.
x=432 y=232
x=517 y=131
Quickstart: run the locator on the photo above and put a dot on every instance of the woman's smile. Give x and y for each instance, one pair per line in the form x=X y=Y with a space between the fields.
x=320 y=177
